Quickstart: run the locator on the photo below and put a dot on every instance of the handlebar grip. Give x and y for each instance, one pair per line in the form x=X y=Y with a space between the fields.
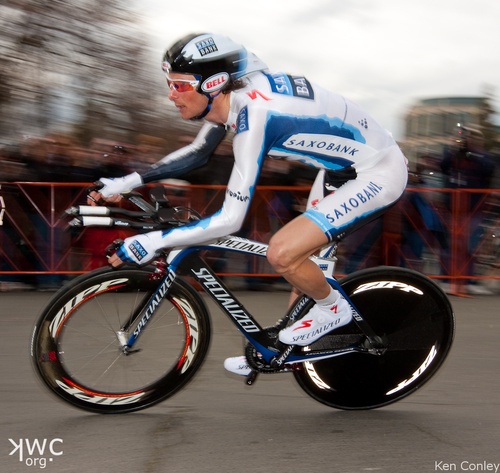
x=90 y=210
x=89 y=221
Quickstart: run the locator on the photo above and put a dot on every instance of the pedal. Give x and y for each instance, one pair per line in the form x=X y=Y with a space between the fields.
x=250 y=379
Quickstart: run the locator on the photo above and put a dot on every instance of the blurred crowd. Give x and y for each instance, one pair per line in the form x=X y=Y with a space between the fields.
x=424 y=226
x=56 y=158
x=467 y=219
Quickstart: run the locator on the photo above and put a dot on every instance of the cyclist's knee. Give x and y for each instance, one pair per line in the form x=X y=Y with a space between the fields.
x=279 y=256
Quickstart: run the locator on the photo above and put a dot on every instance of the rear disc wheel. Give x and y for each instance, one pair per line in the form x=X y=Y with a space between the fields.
x=414 y=319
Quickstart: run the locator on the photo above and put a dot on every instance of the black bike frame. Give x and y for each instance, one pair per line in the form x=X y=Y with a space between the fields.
x=188 y=261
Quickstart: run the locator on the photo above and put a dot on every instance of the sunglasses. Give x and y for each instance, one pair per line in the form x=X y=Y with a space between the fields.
x=181 y=85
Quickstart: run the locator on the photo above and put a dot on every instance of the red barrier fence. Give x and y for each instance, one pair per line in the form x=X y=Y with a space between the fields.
x=450 y=235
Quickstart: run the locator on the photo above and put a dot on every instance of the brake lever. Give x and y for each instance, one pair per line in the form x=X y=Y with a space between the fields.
x=112 y=247
x=96 y=187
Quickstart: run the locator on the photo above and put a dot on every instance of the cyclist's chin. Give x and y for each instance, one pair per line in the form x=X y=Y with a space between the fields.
x=187 y=113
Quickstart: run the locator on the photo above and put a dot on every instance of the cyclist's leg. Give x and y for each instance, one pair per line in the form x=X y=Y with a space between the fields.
x=289 y=251
x=352 y=205
x=349 y=207
x=290 y=257
x=316 y=193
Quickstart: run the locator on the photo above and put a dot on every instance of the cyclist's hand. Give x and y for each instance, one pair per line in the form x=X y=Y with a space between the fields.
x=108 y=190
x=139 y=249
x=115 y=261
x=96 y=198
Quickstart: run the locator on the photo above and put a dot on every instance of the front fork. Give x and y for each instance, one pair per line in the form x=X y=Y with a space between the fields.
x=146 y=309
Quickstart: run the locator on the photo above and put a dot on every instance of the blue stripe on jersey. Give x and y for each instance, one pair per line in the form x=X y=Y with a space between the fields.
x=329 y=229
x=280 y=128
x=203 y=223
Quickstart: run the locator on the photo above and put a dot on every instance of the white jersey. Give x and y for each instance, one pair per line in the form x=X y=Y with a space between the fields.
x=287 y=117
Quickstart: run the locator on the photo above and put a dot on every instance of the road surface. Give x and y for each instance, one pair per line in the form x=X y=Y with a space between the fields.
x=218 y=425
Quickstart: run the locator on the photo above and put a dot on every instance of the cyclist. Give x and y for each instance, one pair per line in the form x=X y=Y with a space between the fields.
x=280 y=116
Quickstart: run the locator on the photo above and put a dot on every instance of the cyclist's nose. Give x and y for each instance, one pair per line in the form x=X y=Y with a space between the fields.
x=172 y=93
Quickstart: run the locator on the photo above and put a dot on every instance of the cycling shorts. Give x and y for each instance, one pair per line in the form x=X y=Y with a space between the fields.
x=376 y=187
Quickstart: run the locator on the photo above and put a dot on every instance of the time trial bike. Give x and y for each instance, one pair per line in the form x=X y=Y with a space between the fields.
x=121 y=340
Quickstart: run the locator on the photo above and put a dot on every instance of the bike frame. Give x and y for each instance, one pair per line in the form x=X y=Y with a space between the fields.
x=188 y=261
x=412 y=315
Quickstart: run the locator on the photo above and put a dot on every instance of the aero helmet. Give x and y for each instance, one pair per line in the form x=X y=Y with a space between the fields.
x=213 y=59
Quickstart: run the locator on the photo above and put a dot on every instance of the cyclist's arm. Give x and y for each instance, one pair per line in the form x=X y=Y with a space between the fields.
x=229 y=219
x=174 y=164
x=189 y=157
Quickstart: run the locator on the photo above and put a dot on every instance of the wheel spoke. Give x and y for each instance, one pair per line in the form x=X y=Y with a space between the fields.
x=87 y=364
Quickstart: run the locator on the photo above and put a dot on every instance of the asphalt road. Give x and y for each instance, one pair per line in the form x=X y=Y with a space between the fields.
x=218 y=425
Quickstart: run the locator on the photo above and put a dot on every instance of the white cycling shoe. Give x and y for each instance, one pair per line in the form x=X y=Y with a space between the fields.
x=311 y=327
x=237 y=365
x=316 y=323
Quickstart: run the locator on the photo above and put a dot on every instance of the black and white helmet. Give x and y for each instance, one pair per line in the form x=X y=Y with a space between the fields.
x=215 y=60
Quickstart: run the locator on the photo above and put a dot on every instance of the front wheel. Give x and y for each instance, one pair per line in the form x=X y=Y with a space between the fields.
x=77 y=342
x=415 y=320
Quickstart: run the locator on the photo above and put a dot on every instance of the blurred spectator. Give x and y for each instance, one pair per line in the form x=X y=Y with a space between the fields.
x=111 y=158
x=57 y=158
x=422 y=226
x=430 y=173
x=83 y=165
x=49 y=158
x=116 y=162
x=469 y=166
x=149 y=150
x=12 y=166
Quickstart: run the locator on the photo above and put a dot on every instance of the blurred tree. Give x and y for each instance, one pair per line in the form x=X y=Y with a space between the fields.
x=78 y=67
x=4 y=84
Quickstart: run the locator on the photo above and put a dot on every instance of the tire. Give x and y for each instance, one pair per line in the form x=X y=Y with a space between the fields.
x=76 y=353
x=414 y=318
